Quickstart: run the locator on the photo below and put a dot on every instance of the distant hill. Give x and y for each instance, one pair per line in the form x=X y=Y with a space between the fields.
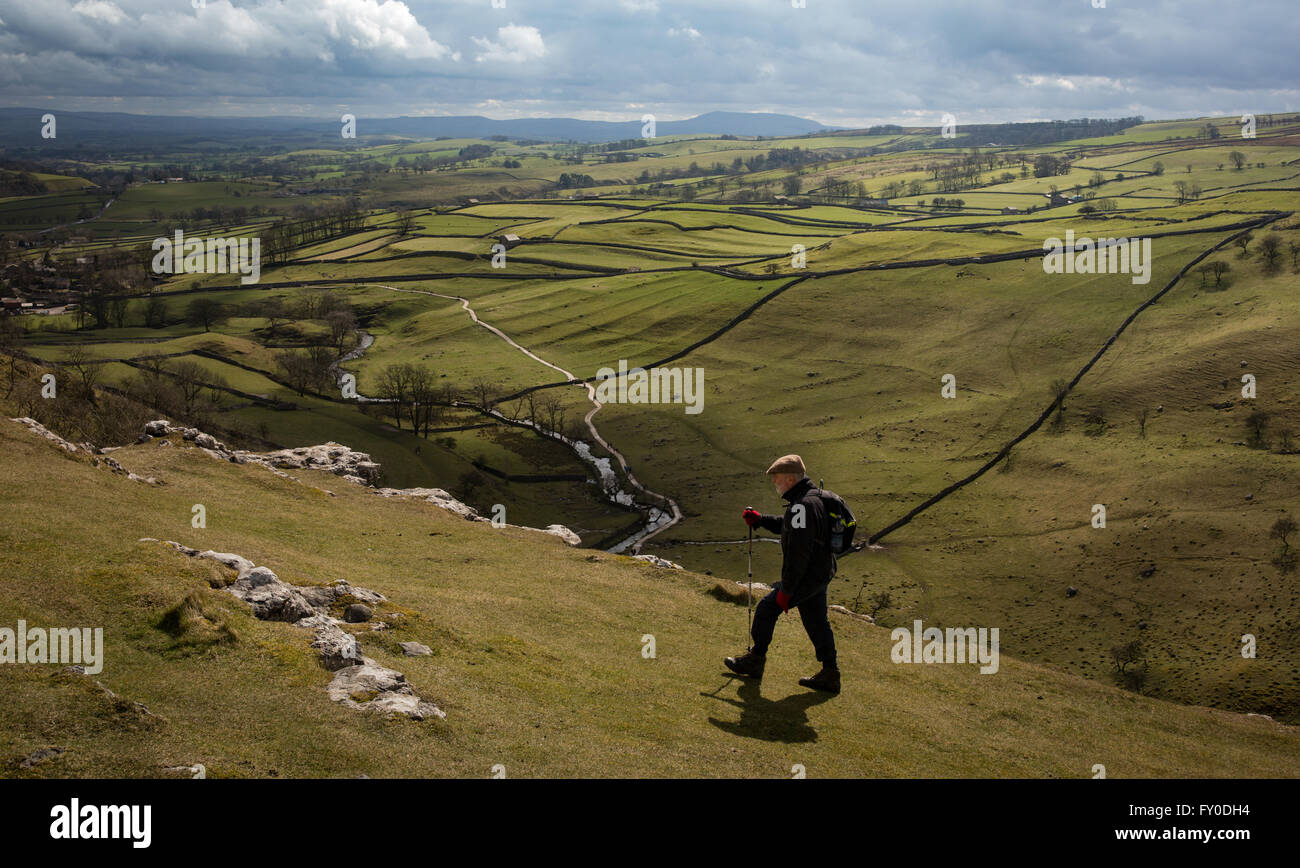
x=21 y=128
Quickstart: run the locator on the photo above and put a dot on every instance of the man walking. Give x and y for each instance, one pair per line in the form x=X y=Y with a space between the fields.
x=806 y=570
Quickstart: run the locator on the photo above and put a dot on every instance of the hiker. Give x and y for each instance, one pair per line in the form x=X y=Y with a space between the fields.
x=807 y=567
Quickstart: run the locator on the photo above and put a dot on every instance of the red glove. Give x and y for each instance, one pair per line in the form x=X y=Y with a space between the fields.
x=751 y=516
x=783 y=600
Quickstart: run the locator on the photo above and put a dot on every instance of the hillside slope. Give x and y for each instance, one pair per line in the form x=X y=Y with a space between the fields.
x=537 y=657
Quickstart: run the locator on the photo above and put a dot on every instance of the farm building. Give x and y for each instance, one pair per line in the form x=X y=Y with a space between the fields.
x=1062 y=199
x=509 y=240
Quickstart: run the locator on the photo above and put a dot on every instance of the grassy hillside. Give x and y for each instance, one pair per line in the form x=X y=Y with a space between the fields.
x=537 y=654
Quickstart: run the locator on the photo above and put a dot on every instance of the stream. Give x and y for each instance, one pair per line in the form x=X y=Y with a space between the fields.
x=657 y=517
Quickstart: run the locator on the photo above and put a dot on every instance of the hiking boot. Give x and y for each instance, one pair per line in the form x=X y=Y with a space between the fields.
x=828 y=680
x=749 y=664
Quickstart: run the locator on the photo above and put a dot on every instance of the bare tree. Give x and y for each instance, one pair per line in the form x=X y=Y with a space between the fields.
x=422 y=388
x=485 y=391
x=206 y=312
x=394 y=386
x=190 y=379
x=274 y=311
x=554 y=412
x=1270 y=248
x=305 y=370
x=1257 y=428
x=342 y=323
x=155 y=312
x=1283 y=528
x=85 y=372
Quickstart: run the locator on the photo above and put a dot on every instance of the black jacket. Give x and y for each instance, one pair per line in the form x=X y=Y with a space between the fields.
x=808 y=564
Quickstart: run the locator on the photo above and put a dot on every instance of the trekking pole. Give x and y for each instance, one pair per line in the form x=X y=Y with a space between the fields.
x=750 y=593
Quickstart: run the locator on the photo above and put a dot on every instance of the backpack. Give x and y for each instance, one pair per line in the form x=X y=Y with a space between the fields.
x=841 y=521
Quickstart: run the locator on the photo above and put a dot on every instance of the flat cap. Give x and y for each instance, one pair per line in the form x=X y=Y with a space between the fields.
x=787 y=464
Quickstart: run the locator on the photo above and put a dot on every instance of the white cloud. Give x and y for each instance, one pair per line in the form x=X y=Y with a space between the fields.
x=687 y=31
x=100 y=10
x=368 y=25
x=514 y=44
x=382 y=33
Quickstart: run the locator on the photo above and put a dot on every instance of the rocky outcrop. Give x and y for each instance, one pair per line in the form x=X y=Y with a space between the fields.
x=371 y=687
x=41 y=431
x=37 y=757
x=357 y=613
x=330 y=457
x=440 y=498
x=563 y=533
x=97 y=458
x=338 y=648
x=271 y=599
x=437 y=497
x=857 y=616
x=662 y=563
x=359 y=682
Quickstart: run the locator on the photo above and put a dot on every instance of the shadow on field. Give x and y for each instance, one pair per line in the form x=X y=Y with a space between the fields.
x=784 y=720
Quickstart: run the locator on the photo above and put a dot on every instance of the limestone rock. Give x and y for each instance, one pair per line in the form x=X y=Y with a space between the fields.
x=331 y=457
x=564 y=533
x=370 y=687
x=436 y=496
x=318 y=596
x=338 y=648
x=41 y=431
x=662 y=563
x=364 y=681
x=271 y=599
x=357 y=613
x=852 y=614
x=359 y=682
x=405 y=703
x=40 y=756
x=239 y=564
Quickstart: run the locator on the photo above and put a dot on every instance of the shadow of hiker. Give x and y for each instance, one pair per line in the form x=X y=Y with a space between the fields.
x=784 y=720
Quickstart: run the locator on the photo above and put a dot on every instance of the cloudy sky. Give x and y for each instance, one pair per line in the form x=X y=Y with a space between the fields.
x=841 y=62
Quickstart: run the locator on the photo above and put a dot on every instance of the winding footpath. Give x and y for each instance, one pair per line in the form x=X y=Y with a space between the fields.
x=659 y=519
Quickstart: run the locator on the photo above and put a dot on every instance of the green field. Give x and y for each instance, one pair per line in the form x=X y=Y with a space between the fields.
x=840 y=357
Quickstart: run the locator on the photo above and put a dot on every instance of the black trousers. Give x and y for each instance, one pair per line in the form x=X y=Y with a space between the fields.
x=816 y=623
